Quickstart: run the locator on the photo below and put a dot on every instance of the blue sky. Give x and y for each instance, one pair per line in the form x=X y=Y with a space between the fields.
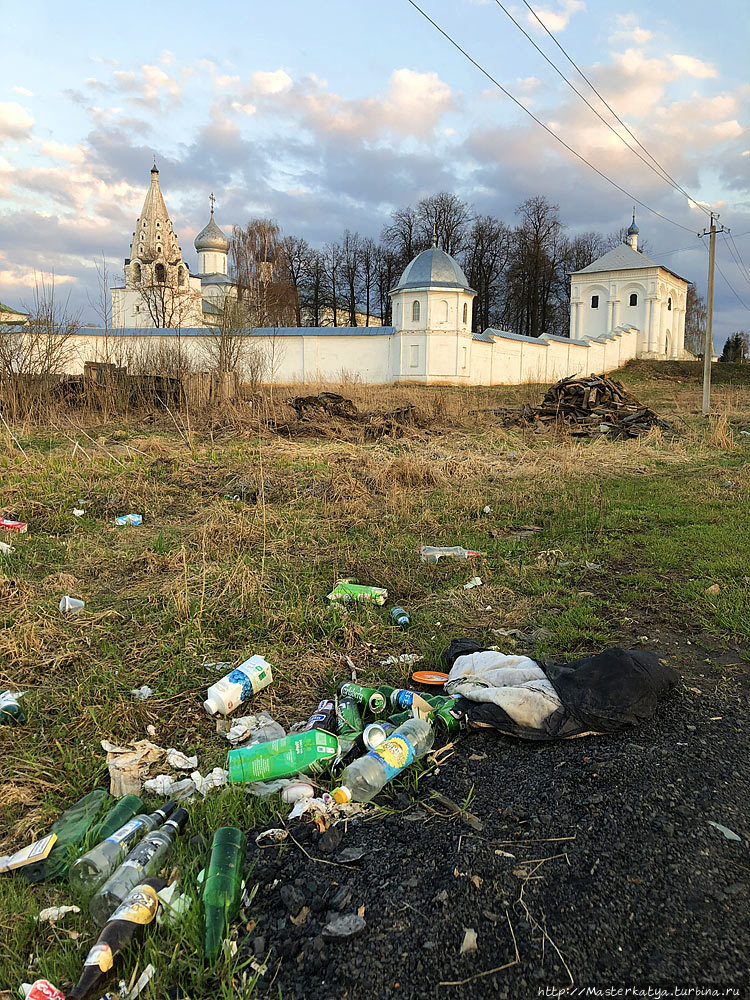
x=328 y=115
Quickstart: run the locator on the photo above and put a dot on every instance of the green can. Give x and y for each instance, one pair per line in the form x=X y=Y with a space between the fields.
x=368 y=699
x=348 y=718
x=447 y=721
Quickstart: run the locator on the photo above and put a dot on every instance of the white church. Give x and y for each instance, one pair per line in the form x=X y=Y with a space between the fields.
x=623 y=306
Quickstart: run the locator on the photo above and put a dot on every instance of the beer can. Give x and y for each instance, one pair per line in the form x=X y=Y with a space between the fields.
x=448 y=721
x=375 y=734
x=367 y=698
x=348 y=717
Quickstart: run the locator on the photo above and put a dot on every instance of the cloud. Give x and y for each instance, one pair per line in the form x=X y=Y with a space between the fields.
x=691 y=66
x=556 y=20
x=15 y=122
x=23 y=91
x=271 y=83
x=58 y=151
x=628 y=29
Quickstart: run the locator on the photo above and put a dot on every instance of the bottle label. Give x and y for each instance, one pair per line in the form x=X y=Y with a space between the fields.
x=140 y=906
x=101 y=956
x=125 y=832
x=402 y=698
x=394 y=755
x=143 y=853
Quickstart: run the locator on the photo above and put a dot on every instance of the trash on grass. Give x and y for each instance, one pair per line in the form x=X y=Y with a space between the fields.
x=274 y=835
x=400 y=617
x=239 y=684
x=143 y=693
x=129 y=765
x=346 y=591
x=364 y=778
x=20 y=527
x=729 y=834
x=134 y=519
x=173 y=905
x=297 y=791
x=432 y=553
x=70 y=605
x=405 y=659
x=11 y=712
x=5 y=549
x=167 y=787
x=222 y=888
x=296 y=753
x=214 y=779
x=476 y=581
x=54 y=913
x=433 y=677
x=77 y=512
x=42 y=989
x=37 y=851
x=252 y=729
x=180 y=762
x=713 y=590
x=145 y=977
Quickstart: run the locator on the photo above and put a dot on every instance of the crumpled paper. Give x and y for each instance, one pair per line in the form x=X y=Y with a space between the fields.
x=54 y=913
x=251 y=729
x=185 y=789
x=142 y=693
x=178 y=760
x=129 y=765
x=173 y=906
x=325 y=810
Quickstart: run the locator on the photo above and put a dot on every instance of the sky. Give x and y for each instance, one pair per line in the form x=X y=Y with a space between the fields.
x=329 y=115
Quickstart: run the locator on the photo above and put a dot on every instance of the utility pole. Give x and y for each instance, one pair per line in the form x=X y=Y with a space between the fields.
x=708 y=347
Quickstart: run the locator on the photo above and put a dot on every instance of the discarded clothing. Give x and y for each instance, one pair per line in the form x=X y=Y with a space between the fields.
x=603 y=693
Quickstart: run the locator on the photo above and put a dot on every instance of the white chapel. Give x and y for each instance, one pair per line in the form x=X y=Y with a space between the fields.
x=624 y=289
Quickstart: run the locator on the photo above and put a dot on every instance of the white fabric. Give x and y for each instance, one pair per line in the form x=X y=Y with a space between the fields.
x=516 y=684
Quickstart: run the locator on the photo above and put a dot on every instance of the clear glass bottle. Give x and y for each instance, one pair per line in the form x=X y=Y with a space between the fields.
x=364 y=778
x=89 y=871
x=144 y=860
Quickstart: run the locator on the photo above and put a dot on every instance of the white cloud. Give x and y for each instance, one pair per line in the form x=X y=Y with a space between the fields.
x=271 y=83
x=556 y=20
x=691 y=66
x=15 y=121
x=628 y=29
x=58 y=151
x=166 y=57
x=23 y=91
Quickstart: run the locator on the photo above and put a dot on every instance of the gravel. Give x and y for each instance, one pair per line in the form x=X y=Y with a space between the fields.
x=596 y=856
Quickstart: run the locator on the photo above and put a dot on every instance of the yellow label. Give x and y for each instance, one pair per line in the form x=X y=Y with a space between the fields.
x=101 y=955
x=139 y=907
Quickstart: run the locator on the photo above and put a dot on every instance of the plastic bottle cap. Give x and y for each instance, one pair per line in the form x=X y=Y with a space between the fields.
x=211 y=706
x=342 y=795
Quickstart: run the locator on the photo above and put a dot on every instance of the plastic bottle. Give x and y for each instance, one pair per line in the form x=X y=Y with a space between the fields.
x=11 y=712
x=370 y=737
x=399 y=617
x=238 y=685
x=88 y=872
x=324 y=717
x=281 y=758
x=128 y=920
x=431 y=553
x=121 y=812
x=145 y=859
x=365 y=777
x=222 y=888
x=71 y=828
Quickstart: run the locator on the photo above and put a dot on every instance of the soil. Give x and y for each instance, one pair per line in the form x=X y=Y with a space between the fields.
x=596 y=859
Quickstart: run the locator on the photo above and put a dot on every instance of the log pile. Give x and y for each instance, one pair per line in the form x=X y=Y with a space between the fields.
x=588 y=404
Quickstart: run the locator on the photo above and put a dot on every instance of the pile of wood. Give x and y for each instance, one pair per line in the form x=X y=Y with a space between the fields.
x=588 y=404
x=329 y=403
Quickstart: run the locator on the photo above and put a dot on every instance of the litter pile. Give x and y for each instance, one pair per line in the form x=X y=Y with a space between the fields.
x=584 y=405
x=329 y=413
x=112 y=852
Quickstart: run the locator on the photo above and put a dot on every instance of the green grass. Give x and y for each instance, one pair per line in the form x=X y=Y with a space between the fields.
x=205 y=578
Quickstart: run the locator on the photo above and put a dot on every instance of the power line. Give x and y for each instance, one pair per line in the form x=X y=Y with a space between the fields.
x=737 y=257
x=609 y=108
x=546 y=128
x=658 y=169
x=731 y=287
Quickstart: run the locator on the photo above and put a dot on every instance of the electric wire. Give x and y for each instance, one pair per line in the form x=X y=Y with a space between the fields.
x=729 y=284
x=658 y=169
x=609 y=108
x=737 y=256
x=539 y=122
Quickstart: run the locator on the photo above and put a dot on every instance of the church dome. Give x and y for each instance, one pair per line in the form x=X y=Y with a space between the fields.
x=211 y=238
x=633 y=230
x=430 y=268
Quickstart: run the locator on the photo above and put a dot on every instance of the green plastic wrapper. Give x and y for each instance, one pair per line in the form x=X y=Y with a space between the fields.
x=346 y=591
x=71 y=829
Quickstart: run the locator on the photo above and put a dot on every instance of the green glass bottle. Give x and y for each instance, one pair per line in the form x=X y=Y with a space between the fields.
x=71 y=829
x=122 y=811
x=222 y=887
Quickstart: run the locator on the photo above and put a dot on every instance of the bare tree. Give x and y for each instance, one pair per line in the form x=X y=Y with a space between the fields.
x=447 y=217
x=485 y=261
x=368 y=258
x=44 y=346
x=387 y=270
x=296 y=258
x=101 y=302
x=263 y=283
x=314 y=289
x=332 y=266
x=351 y=262
x=536 y=250
x=695 y=321
x=401 y=237
x=226 y=343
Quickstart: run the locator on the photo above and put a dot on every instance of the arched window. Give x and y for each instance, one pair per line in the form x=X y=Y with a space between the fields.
x=136 y=272
x=180 y=276
x=415 y=311
x=443 y=311
x=466 y=312
x=634 y=299
x=160 y=274
x=594 y=301
x=669 y=304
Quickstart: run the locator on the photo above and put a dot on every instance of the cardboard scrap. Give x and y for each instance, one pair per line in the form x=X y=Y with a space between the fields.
x=37 y=851
x=129 y=765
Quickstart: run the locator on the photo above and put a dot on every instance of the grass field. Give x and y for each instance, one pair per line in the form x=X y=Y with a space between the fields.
x=633 y=533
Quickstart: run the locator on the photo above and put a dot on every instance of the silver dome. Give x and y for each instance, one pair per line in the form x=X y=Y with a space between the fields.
x=211 y=238
x=432 y=268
